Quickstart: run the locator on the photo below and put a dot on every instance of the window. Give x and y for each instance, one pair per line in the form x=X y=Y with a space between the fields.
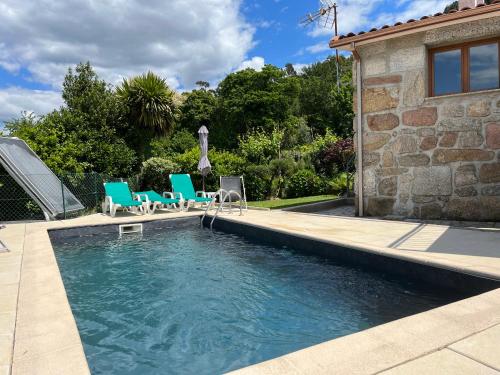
x=464 y=68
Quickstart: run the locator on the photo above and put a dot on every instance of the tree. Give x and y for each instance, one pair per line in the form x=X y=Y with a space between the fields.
x=150 y=108
x=249 y=101
x=198 y=109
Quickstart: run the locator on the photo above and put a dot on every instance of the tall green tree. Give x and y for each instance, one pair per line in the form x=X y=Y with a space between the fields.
x=198 y=109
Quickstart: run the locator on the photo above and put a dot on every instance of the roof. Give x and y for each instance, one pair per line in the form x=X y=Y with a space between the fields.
x=481 y=11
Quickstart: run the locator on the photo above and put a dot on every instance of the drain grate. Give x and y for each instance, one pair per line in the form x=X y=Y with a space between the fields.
x=130 y=229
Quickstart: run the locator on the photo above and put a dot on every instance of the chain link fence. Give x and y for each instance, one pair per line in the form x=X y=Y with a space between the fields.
x=17 y=205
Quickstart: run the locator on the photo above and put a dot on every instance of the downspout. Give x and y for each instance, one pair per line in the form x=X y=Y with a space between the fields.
x=359 y=128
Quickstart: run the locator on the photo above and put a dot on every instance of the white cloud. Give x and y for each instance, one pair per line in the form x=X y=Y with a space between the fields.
x=318 y=47
x=256 y=63
x=14 y=100
x=183 y=40
x=299 y=68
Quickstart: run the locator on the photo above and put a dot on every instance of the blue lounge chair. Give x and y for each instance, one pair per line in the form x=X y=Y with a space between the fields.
x=118 y=195
x=182 y=188
x=155 y=201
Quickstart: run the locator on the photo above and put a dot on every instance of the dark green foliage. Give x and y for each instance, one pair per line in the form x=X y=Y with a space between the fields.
x=303 y=183
x=258 y=182
x=177 y=143
x=154 y=174
x=452 y=6
x=198 y=109
x=335 y=157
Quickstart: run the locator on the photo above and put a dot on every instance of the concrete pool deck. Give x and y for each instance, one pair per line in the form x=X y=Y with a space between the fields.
x=38 y=333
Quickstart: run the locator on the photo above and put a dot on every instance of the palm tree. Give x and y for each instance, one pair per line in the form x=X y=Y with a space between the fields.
x=150 y=103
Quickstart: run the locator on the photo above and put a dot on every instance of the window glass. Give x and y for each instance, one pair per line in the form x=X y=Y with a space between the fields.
x=483 y=63
x=448 y=72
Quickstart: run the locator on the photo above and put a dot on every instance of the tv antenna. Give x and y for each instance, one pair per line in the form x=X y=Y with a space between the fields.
x=325 y=16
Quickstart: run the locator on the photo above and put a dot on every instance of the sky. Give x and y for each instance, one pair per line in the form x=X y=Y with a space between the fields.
x=182 y=40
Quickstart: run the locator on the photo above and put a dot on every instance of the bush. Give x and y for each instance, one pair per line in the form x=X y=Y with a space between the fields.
x=179 y=142
x=258 y=182
x=338 y=184
x=304 y=183
x=334 y=157
x=154 y=174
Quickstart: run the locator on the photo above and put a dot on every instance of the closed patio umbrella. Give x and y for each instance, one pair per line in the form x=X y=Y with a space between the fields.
x=204 y=164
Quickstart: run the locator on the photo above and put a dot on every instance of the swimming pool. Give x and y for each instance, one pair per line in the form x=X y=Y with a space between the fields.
x=183 y=300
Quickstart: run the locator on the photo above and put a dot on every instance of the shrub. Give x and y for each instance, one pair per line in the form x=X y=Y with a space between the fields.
x=334 y=157
x=154 y=174
x=260 y=147
x=178 y=143
x=258 y=182
x=338 y=184
x=304 y=183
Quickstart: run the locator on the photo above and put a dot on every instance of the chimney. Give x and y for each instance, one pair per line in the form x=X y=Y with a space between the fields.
x=469 y=3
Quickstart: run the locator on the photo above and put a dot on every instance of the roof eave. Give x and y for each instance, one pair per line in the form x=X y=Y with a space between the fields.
x=484 y=12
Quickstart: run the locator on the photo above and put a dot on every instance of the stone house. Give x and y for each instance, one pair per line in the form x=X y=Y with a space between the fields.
x=427 y=102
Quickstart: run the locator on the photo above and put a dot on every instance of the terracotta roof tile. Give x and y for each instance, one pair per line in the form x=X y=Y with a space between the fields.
x=439 y=14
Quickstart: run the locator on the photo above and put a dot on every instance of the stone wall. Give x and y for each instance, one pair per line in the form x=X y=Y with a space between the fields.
x=428 y=157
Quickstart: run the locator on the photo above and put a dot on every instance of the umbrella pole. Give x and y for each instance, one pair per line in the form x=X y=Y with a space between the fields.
x=203 y=178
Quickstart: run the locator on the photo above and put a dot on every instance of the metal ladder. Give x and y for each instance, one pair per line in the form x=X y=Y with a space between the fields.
x=3 y=248
x=223 y=195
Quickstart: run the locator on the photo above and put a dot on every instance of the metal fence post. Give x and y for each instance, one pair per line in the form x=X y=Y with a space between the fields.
x=63 y=200
x=95 y=191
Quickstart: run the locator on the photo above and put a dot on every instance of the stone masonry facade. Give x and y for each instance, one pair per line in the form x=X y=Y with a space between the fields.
x=427 y=158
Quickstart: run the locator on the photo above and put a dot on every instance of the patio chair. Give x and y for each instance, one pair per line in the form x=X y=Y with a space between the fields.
x=118 y=195
x=155 y=201
x=233 y=189
x=182 y=189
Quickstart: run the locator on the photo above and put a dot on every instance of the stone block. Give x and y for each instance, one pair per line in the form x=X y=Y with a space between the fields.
x=415 y=160
x=428 y=143
x=386 y=121
x=480 y=108
x=404 y=144
x=445 y=156
x=369 y=182
x=423 y=199
x=384 y=80
x=380 y=206
x=383 y=172
x=493 y=135
x=426 y=132
x=493 y=190
x=404 y=59
x=374 y=65
x=388 y=186
x=490 y=208
x=489 y=173
x=431 y=211
x=413 y=88
x=432 y=181
x=380 y=99
x=452 y=110
x=470 y=139
x=463 y=209
x=466 y=191
x=425 y=116
x=370 y=159
x=387 y=159
x=449 y=139
x=374 y=141
x=465 y=175
x=460 y=125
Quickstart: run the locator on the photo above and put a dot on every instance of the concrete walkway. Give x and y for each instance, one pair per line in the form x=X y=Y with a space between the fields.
x=38 y=334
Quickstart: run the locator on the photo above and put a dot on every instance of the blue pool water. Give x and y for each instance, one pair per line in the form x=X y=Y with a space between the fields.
x=184 y=301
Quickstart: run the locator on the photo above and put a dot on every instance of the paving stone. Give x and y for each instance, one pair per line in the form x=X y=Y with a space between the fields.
x=425 y=116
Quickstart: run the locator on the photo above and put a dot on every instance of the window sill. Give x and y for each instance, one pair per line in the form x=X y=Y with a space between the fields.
x=463 y=94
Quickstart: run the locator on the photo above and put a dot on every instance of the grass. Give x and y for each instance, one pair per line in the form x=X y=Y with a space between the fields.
x=283 y=203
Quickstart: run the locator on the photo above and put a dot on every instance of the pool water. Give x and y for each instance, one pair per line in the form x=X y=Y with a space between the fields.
x=185 y=301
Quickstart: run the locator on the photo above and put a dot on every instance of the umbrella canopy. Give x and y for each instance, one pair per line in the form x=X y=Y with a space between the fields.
x=204 y=165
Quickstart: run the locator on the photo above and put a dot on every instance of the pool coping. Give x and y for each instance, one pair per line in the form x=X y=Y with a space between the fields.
x=45 y=339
